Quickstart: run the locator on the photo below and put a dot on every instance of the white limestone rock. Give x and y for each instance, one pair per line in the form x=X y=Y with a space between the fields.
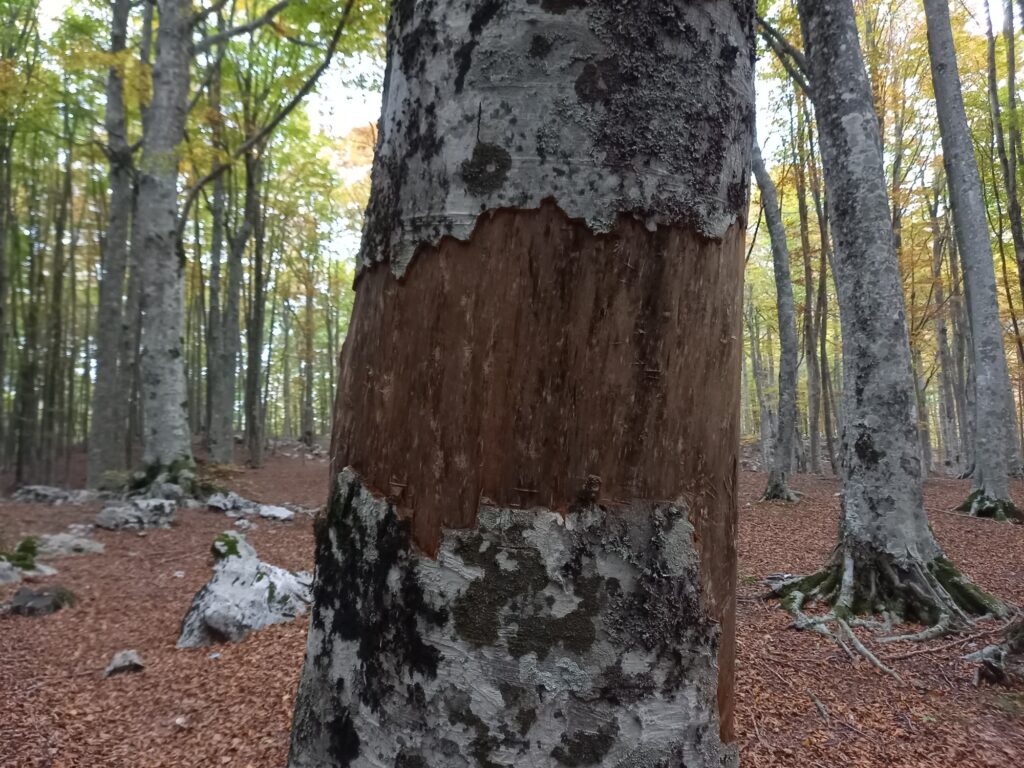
x=137 y=515
x=64 y=544
x=245 y=594
x=124 y=661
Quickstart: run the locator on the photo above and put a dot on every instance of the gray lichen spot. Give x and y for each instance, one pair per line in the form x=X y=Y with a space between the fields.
x=622 y=114
x=543 y=639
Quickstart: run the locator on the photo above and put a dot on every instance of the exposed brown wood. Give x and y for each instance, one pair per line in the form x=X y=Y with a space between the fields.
x=545 y=356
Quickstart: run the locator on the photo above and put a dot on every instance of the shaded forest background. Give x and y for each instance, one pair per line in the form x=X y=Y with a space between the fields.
x=271 y=200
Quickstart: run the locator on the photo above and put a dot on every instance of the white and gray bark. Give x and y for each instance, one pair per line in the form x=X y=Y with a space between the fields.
x=166 y=435
x=535 y=639
x=887 y=558
x=992 y=434
x=529 y=636
x=782 y=459
x=109 y=405
x=947 y=404
x=434 y=190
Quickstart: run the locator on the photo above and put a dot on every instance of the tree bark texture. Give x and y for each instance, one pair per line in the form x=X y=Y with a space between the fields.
x=527 y=557
x=109 y=403
x=993 y=429
x=166 y=438
x=782 y=459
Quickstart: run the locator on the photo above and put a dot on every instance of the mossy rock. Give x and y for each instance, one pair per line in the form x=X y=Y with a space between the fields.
x=224 y=546
x=23 y=557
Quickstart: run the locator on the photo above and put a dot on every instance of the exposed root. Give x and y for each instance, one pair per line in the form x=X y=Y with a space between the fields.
x=853 y=585
x=1002 y=510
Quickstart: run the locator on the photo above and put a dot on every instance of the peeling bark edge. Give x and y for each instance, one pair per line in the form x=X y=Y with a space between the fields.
x=536 y=638
x=624 y=113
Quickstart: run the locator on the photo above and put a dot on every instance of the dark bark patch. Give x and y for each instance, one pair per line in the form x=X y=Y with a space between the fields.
x=599 y=81
x=540 y=46
x=343 y=741
x=487 y=170
x=366 y=610
x=539 y=633
x=866 y=451
x=586 y=747
x=562 y=6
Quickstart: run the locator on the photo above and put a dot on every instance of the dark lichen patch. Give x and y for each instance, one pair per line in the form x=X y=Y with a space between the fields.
x=343 y=741
x=358 y=558
x=586 y=747
x=484 y=742
x=599 y=81
x=866 y=451
x=487 y=169
x=522 y=700
x=408 y=759
x=617 y=687
x=540 y=632
x=477 y=611
x=562 y=6
x=540 y=46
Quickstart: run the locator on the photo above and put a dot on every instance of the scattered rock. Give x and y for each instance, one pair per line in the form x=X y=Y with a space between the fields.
x=179 y=574
x=137 y=515
x=245 y=594
x=1002 y=664
x=38 y=571
x=124 y=661
x=231 y=502
x=48 y=494
x=244 y=525
x=270 y=512
x=29 y=602
x=8 y=573
x=63 y=544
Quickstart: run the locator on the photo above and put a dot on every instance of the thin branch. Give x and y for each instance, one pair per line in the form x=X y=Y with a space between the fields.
x=208 y=42
x=262 y=134
x=791 y=58
x=200 y=16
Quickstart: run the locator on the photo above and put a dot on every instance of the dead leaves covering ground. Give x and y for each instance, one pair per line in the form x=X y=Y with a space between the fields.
x=801 y=702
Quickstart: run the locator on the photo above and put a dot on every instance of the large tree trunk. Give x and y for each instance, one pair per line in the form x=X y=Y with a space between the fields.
x=109 y=403
x=167 y=445
x=527 y=557
x=887 y=558
x=782 y=459
x=993 y=429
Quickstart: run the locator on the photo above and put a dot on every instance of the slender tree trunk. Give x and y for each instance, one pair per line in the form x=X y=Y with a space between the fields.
x=254 y=344
x=991 y=493
x=782 y=460
x=886 y=558
x=810 y=335
x=167 y=445
x=947 y=403
x=468 y=397
x=765 y=414
x=109 y=404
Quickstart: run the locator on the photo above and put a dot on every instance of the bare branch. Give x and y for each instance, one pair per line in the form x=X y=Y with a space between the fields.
x=208 y=42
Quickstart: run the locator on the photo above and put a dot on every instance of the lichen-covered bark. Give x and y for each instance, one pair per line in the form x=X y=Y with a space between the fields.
x=167 y=439
x=884 y=532
x=782 y=457
x=993 y=430
x=529 y=555
x=534 y=639
x=605 y=108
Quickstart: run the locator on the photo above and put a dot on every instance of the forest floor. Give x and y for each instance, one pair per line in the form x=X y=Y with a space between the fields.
x=231 y=705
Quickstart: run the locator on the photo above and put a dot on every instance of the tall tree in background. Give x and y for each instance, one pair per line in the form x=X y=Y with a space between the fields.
x=782 y=457
x=993 y=430
x=887 y=559
x=110 y=412
x=539 y=390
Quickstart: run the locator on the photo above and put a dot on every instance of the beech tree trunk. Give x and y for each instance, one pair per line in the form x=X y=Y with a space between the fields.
x=887 y=559
x=995 y=418
x=782 y=459
x=166 y=436
x=109 y=402
x=527 y=557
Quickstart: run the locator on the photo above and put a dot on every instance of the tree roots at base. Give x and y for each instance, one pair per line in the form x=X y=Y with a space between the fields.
x=778 y=490
x=980 y=505
x=855 y=584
